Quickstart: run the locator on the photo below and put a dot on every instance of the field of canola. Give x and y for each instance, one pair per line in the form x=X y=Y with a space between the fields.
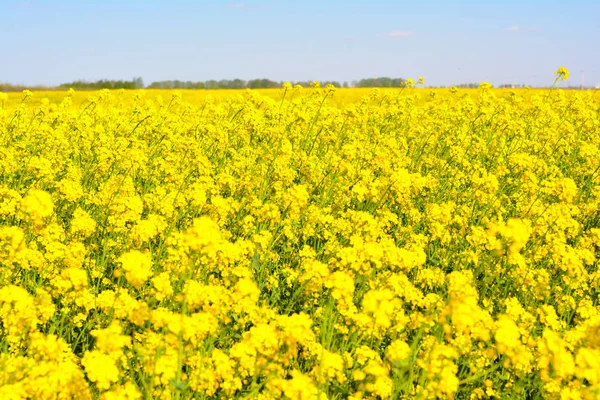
x=292 y=244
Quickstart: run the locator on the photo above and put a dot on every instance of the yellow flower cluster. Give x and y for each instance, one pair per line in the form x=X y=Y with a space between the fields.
x=300 y=244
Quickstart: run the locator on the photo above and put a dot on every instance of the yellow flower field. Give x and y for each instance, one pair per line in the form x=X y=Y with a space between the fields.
x=342 y=98
x=300 y=244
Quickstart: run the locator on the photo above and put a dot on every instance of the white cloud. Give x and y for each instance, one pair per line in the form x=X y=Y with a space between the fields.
x=399 y=34
x=519 y=28
x=236 y=5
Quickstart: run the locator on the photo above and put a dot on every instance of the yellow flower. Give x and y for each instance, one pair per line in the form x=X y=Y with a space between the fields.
x=17 y=312
x=100 y=369
x=37 y=205
x=507 y=334
x=128 y=391
x=397 y=351
x=562 y=73
x=27 y=94
x=82 y=223
x=137 y=266
x=162 y=285
x=110 y=340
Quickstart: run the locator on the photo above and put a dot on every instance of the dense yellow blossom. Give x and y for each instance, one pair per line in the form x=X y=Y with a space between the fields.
x=37 y=206
x=304 y=244
x=100 y=369
x=137 y=266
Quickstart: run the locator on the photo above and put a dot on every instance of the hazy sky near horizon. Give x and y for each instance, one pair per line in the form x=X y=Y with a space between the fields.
x=448 y=42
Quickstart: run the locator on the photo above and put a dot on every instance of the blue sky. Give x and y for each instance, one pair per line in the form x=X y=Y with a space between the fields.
x=447 y=42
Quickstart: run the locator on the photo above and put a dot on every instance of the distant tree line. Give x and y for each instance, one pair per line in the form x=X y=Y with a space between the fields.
x=7 y=87
x=138 y=83
x=135 y=83
x=380 y=82
x=214 y=84
x=231 y=84
x=268 y=84
x=471 y=85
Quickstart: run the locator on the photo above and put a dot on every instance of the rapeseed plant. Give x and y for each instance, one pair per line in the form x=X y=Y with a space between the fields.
x=302 y=244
